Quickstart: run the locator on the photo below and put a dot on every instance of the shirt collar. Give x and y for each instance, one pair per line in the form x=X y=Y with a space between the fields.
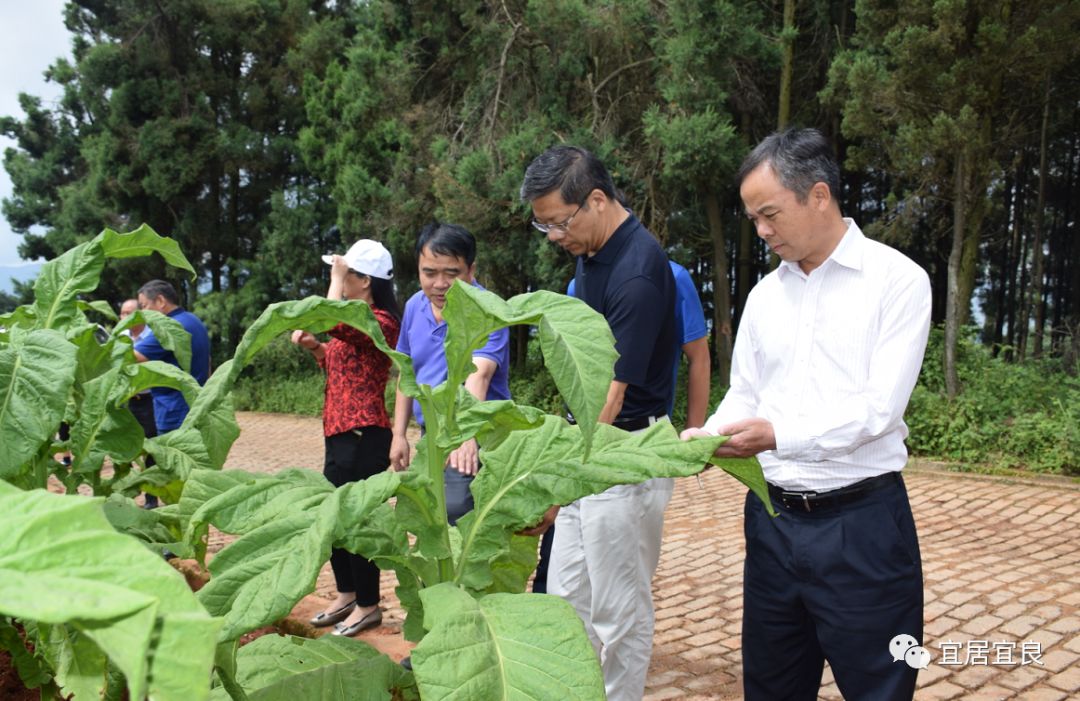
x=610 y=250
x=848 y=253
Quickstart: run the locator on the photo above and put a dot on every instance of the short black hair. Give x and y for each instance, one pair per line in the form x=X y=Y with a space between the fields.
x=447 y=240
x=572 y=170
x=160 y=288
x=800 y=158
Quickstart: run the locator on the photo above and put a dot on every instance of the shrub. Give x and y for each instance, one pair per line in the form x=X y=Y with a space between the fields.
x=1012 y=414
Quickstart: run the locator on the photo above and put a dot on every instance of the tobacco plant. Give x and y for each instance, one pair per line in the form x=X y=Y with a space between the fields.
x=478 y=634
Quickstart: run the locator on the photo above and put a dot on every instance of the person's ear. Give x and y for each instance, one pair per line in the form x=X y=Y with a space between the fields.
x=820 y=196
x=597 y=200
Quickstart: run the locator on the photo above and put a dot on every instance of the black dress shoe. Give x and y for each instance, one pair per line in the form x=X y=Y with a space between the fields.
x=327 y=618
x=372 y=620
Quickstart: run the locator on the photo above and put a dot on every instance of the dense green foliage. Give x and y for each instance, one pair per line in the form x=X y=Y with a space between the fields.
x=1025 y=416
x=127 y=621
x=247 y=128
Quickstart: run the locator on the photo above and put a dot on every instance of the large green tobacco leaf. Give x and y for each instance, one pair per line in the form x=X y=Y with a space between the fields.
x=169 y=332
x=317 y=314
x=489 y=422
x=157 y=373
x=142 y=242
x=95 y=359
x=259 y=577
x=219 y=431
x=748 y=471
x=97 y=594
x=103 y=429
x=99 y=306
x=276 y=668
x=177 y=453
x=78 y=270
x=37 y=370
x=79 y=665
x=202 y=486
x=157 y=528
x=504 y=647
x=418 y=508
x=21 y=317
x=579 y=350
x=533 y=470
x=511 y=570
x=62 y=279
x=238 y=502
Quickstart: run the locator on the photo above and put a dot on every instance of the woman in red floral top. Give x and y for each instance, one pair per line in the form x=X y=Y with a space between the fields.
x=355 y=423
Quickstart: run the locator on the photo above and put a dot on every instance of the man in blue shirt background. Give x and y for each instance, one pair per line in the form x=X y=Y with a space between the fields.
x=170 y=407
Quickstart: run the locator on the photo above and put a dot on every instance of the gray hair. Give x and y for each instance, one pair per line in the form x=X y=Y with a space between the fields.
x=571 y=170
x=800 y=158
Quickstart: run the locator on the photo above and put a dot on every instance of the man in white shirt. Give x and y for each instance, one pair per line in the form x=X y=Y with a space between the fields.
x=827 y=354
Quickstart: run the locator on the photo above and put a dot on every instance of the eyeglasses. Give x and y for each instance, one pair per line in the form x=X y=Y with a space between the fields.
x=563 y=227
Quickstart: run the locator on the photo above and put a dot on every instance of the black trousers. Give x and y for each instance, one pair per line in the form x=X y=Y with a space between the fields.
x=540 y=580
x=350 y=457
x=836 y=584
x=142 y=408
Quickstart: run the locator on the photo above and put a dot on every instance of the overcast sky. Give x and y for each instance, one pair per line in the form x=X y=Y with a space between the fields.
x=32 y=36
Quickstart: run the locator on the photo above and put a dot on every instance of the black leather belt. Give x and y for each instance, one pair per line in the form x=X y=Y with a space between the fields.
x=635 y=424
x=834 y=498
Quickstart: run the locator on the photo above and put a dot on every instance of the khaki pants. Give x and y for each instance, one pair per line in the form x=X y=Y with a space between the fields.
x=605 y=552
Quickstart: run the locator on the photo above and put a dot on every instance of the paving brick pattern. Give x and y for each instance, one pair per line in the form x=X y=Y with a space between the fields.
x=1001 y=563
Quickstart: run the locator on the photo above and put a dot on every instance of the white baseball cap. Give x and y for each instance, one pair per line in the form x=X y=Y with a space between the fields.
x=367 y=257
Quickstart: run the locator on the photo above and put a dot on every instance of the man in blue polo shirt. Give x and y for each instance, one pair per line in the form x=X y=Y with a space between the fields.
x=445 y=253
x=170 y=407
x=607 y=546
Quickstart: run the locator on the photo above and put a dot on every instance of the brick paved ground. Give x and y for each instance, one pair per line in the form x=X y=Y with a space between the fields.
x=1001 y=562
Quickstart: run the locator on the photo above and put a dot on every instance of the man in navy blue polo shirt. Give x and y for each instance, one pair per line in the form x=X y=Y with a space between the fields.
x=692 y=335
x=170 y=407
x=445 y=253
x=607 y=546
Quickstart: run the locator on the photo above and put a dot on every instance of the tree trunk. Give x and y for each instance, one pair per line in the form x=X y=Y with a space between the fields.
x=1038 y=308
x=721 y=289
x=787 y=63
x=744 y=272
x=952 y=301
